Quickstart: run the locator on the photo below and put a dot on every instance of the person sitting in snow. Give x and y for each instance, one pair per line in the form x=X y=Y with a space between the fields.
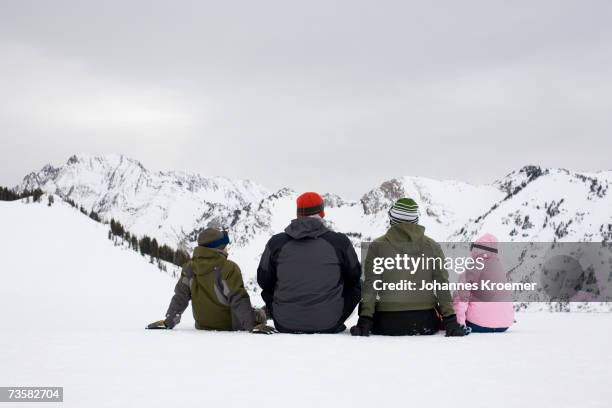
x=309 y=275
x=484 y=312
x=215 y=288
x=404 y=312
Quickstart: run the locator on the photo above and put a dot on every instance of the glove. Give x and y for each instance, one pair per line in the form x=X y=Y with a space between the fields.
x=263 y=329
x=158 y=325
x=363 y=328
x=172 y=321
x=167 y=324
x=453 y=329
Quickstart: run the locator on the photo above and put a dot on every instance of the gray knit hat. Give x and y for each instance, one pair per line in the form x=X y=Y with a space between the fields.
x=213 y=238
x=405 y=210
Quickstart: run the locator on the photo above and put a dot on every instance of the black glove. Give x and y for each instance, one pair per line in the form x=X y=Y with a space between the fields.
x=168 y=323
x=363 y=328
x=453 y=329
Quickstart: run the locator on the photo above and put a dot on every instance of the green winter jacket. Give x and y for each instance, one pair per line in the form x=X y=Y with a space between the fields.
x=214 y=285
x=403 y=239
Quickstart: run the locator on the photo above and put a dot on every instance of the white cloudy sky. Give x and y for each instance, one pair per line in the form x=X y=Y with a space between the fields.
x=318 y=95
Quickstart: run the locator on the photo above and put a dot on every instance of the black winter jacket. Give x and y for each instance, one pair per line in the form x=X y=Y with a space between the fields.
x=310 y=277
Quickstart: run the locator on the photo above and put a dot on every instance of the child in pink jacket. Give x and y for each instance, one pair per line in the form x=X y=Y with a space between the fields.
x=484 y=312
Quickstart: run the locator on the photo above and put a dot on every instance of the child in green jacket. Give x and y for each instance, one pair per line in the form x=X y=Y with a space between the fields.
x=215 y=288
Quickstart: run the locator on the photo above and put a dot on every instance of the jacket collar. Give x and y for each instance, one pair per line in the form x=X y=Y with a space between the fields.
x=405 y=232
x=209 y=253
x=306 y=227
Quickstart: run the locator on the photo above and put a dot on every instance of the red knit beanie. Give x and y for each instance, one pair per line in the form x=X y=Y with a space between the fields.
x=310 y=204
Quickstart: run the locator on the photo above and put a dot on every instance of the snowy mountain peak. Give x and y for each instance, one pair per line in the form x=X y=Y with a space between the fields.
x=518 y=179
x=162 y=204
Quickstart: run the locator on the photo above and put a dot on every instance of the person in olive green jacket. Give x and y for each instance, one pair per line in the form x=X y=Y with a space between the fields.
x=387 y=310
x=215 y=288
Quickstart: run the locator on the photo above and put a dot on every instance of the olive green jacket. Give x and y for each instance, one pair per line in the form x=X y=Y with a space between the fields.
x=403 y=239
x=214 y=285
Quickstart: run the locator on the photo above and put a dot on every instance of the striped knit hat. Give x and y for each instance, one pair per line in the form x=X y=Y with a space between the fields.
x=310 y=204
x=404 y=210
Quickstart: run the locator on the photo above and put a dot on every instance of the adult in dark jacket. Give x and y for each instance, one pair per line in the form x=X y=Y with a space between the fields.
x=309 y=275
x=405 y=312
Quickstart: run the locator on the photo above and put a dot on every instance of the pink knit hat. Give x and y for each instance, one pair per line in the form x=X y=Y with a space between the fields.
x=488 y=240
x=485 y=245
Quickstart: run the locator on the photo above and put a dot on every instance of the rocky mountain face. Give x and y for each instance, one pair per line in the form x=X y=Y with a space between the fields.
x=167 y=205
x=547 y=205
x=530 y=204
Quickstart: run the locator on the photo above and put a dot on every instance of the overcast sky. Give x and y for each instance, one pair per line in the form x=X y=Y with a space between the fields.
x=316 y=95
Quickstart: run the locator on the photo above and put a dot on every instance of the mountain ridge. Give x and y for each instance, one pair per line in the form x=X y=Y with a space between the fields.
x=529 y=203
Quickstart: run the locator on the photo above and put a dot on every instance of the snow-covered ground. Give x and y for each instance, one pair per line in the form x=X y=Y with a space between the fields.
x=74 y=308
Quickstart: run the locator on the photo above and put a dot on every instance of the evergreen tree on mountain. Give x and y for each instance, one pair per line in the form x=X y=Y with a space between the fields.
x=117 y=228
x=36 y=194
x=145 y=245
x=134 y=243
x=154 y=249
x=7 y=194
x=94 y=216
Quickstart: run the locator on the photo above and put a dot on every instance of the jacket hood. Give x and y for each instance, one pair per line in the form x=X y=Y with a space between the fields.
x=399 y=234
x=201 y=252
x=405 y=232
x=306 y=227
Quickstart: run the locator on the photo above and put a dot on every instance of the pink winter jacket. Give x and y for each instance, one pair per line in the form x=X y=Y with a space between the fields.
x=492 y=313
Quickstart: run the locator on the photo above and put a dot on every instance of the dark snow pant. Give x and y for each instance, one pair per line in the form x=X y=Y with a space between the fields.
x=351 y=299
x=481 y=329
x=406 y=323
